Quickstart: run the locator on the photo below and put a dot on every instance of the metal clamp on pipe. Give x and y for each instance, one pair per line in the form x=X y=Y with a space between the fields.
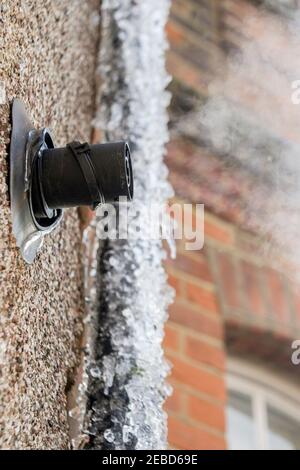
x=44 y=180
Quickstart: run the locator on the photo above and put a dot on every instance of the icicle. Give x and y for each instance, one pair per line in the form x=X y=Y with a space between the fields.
x=126 y=397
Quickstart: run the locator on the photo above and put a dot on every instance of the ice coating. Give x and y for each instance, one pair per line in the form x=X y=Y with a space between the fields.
x=127 y=372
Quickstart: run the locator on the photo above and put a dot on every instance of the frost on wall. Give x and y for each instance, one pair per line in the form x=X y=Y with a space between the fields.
x=127 y=374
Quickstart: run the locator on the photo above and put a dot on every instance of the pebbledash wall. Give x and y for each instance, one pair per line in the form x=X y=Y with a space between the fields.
x=232 y=298
x=48 y=55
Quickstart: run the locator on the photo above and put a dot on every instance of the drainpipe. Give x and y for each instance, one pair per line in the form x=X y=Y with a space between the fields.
x=127 y=389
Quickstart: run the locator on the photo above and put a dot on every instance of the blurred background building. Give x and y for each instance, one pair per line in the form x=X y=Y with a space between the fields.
x=237 y=307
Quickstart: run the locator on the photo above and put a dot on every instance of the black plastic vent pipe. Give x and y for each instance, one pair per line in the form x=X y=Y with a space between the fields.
x=44 y=179
x=80 y=175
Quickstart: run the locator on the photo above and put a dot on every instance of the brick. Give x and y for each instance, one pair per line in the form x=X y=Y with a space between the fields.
x=206 y=412
x=204 y=352
x=97 y=136
x=186 y=73
x=295 y=294
x=228 y=275
x=171 y=338
x=196 y=266
x=240 y=8
x=175 y=401
x=203 y=297
x=196 y=16
x=182 y=314
x=174 y=282
x=189 y=437
x=200 y=380
x=252 y=284
x=277 y=296
x=218 y=232
x=175 y=35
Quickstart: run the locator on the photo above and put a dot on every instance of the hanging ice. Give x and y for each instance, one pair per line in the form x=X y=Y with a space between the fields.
x=125 y=400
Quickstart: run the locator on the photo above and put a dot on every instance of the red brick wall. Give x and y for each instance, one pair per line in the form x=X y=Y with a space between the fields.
x=228 y=299
x=195 y=346
x=231 y=297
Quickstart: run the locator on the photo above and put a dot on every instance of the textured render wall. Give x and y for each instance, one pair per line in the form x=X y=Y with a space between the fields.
x=47 y=51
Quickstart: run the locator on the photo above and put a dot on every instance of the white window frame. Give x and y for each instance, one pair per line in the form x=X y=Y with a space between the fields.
x=264 y=388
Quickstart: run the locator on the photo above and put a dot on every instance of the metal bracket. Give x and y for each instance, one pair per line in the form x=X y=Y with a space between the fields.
x=26 y=145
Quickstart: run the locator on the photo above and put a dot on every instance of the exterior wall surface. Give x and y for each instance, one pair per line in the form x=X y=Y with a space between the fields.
x=229 y=300
x=47 y=50
x=194 y=343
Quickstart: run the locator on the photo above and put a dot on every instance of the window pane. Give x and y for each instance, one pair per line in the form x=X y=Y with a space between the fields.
x=240 y=424
x=284 y=432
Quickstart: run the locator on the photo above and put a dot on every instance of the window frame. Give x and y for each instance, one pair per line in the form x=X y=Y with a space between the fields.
x=264 y=388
